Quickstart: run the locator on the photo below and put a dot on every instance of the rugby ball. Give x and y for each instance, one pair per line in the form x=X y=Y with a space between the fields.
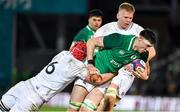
x=138 y=65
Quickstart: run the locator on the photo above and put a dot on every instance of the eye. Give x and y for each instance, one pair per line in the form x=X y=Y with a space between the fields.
x=149 y=45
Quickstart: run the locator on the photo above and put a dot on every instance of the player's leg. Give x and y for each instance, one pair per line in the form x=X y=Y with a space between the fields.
x=92 y=100
x=10 y=98
x=3 y=107
x=118 y=88
x=28 y=99
x=77 y=96
x=31 y=103
x=109 y=100
x=79 y=92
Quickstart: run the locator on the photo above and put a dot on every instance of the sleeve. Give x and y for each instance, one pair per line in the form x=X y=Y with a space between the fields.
x=100 y=31
x=138 y=29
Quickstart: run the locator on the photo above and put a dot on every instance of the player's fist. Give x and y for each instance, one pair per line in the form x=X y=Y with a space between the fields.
x=95 y=78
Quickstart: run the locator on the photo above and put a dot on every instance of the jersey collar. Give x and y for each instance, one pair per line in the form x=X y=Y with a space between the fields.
x=130 y=47
x=89 y=28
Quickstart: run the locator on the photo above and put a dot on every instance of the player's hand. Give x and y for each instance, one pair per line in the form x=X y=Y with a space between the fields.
x=136 y=74
x=95 y=78
x=92 y=69
x=138 y=71
x=128 y=67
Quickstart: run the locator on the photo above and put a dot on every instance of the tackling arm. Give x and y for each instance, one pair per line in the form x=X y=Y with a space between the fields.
x=99 y=79
x=91 y=44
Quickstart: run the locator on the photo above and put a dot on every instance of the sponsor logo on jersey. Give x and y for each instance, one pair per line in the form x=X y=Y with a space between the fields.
x=121 y=52
x=115 y=63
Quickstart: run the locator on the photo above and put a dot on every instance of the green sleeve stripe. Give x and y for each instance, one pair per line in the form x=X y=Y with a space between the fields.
x=90 y=29
x=131 y=42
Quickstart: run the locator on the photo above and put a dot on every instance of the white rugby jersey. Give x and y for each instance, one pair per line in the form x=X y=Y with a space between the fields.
x=112 y=27
x=61 y=71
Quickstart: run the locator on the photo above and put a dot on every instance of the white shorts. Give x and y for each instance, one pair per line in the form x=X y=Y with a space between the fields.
x=84 y=84
x=124 y=80
x=22 y=97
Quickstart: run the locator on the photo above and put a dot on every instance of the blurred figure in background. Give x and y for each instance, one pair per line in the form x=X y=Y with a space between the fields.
x=94 y=22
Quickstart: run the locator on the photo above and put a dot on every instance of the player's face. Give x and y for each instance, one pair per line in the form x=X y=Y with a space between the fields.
x=124 y=18
x=144 y=45
x=95 y=22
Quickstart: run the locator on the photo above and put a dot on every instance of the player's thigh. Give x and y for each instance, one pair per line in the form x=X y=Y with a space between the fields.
x=78 y=93
x=32 y=102
x=24 y=106
x=13 y=95
x=125 y=80
x=95 y=96
x=80 y=90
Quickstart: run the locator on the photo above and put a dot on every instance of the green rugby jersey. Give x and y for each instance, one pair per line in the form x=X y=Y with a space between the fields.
x=85 y=34
x=118 y=51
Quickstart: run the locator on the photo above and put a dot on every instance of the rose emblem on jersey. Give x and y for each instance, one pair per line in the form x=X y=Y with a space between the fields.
x=133 y=57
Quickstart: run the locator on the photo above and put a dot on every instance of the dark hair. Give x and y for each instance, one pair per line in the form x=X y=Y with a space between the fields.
x=96 y=12
x=149 y=35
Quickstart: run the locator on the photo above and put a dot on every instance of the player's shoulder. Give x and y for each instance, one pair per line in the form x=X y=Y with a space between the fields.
x=110 y=24
x=60 y=55
x=136 y=26
x=106 y=29
x=85 y=29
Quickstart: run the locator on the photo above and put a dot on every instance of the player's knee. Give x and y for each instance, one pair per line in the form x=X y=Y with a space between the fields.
x=88 y=105
x=3 y=107
x=109 y=99
x=74 y=106
x=111 y=92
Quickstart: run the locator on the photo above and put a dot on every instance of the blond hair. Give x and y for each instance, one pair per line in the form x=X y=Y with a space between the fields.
x=127 y=6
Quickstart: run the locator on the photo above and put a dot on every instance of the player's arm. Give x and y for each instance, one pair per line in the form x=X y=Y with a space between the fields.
x=141 y=74
x=91 y=44
x=145 y=74
x=152 y=54
x=99 y=79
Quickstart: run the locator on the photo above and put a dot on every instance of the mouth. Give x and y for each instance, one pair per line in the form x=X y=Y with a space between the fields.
x=127 y=24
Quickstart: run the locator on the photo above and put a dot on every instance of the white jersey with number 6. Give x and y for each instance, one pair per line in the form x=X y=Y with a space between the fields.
x=29 y=95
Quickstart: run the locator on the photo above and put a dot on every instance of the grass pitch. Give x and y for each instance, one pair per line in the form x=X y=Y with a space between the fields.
x=52 y=109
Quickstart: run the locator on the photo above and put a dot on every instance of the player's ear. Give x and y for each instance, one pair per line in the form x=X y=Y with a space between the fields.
x=140 y=38
x=88 y=20
x=117 y=15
